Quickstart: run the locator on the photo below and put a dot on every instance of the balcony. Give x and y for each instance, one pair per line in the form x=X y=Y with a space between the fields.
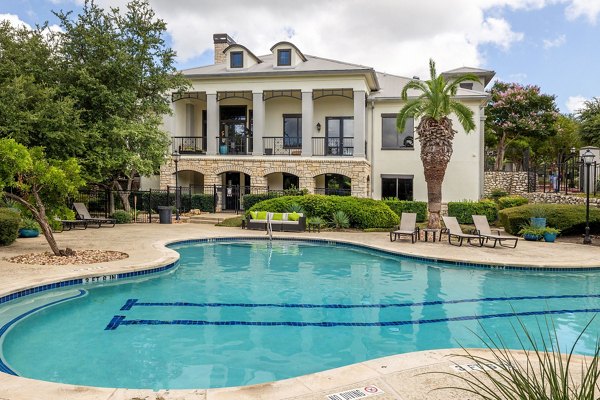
x=282 y=146
x=237 y=145
x=188 y=145
x=333 y=146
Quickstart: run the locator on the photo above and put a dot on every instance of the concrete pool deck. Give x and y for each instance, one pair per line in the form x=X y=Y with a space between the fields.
x=400 y=377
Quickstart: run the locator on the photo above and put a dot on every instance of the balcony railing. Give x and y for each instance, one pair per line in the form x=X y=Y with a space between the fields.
x=240 y=145
x=323 y=146
x=189 y=145
x=282 y=146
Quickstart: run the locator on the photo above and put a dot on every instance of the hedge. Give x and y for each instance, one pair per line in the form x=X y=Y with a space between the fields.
x=511 y=201
x=122 y=217
x=203 y=202
x=400 y=206
x=9 y=226
x=364 y=213
x=570 y=219
x=248 y=200
x=464 y=210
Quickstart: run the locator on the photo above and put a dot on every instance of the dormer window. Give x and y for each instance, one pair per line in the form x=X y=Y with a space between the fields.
x=467 y=85
x=236 y=59
x=284 y=57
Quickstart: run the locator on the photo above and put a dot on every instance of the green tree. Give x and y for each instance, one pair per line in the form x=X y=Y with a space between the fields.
x=39 y=184
x=434 y=106
x=516 y=115
x=558 y=147
x=118 y=69
x=589 y=117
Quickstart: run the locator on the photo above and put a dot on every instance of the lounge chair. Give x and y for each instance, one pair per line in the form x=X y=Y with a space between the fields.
x=482 y=227
x=408 y=227
x=84 y=215
x=454 y=231
x=68 y=224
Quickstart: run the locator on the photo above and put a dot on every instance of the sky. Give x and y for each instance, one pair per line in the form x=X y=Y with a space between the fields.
x=554 y=44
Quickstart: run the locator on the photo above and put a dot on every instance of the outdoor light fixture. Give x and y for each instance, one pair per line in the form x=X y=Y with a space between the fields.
x=176 y=157
x=318 y=127
x=587 y=158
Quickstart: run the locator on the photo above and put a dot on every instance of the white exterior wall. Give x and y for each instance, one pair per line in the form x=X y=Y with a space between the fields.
x=330 y=106
x=463 y=176
x=275 y=181
x=274 y=110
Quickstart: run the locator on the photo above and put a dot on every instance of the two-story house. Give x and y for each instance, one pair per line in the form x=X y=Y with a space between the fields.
x=286 y=119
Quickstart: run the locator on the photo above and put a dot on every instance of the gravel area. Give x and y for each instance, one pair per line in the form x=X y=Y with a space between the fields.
x=76 y=257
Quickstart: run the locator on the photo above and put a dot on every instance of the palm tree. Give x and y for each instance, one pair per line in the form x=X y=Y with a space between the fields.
x=434 y=131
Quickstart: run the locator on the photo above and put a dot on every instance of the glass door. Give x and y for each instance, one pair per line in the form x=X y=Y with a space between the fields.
x=340 y=136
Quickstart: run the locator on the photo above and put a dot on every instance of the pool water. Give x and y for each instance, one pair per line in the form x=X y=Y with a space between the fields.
x=244 y=312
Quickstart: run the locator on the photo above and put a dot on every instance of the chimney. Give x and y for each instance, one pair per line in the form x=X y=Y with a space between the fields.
x=222 y=41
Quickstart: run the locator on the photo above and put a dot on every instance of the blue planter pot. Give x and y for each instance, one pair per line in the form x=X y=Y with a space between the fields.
x=531 y=237
x=550 y=237
x=223 y=149
x=28 y=233
x=538 y=222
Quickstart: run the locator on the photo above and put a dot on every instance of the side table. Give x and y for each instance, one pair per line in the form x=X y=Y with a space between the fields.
x=434 y=232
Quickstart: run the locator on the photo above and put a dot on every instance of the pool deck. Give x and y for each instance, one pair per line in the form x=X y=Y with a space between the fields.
x=403 y=377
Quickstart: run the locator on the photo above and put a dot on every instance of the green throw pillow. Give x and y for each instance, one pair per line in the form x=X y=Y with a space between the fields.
x=261 y=215
x=293 y=216
x=253 y=214
x=277 y=216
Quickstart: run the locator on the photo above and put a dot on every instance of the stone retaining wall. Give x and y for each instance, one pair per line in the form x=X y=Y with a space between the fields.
x=510 y=182
x=559 y=198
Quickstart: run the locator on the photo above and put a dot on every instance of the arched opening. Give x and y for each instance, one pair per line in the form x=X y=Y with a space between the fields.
x=234 y=184
x=191 y=179
x=282 y=181
x=333 y=184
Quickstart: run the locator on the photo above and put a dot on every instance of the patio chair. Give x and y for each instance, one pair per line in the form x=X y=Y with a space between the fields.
x=68 y=224
x=84 y=215
x=454 y=231
x=408 y=227
x=482 y=227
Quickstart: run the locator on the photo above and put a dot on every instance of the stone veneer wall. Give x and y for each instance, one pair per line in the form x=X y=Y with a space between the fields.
x=511 y=182
x=358 y=170
x=559 y=198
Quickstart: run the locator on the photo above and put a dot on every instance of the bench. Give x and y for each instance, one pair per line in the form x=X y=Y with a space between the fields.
x=280 y=222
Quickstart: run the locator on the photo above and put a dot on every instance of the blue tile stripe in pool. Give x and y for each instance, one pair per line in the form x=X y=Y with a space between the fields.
x=389 y=252
x=119 y=320
x=130 y=303
x=3 y=367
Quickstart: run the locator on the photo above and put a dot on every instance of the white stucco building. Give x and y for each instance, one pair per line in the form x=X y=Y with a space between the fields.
x=289 y=119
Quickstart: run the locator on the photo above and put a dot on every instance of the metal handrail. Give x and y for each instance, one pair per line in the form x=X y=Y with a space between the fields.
x=333 y=146
x=279 y=145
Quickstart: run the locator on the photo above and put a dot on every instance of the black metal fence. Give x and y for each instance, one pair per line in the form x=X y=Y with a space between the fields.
x=568 y=177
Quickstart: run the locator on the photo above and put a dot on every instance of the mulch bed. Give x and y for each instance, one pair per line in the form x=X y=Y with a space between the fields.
x=75 y=257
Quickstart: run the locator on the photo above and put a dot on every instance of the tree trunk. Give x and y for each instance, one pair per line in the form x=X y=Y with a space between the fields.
x=124 y=194
x=39 y=214
x=436 y=150
x=500 y=151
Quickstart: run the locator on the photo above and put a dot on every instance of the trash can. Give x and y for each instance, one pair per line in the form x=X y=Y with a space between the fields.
x=164 y=214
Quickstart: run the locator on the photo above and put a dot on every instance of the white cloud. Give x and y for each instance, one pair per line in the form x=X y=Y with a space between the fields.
x=575 y=103
x=557 y=42
x=14 y=20
x=588 y=9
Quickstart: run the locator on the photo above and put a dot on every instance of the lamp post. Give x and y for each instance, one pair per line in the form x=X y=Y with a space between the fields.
x=176 y=157
x=587 y=158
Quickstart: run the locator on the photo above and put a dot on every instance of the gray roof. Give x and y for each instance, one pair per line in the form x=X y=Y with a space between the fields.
x=485 y=73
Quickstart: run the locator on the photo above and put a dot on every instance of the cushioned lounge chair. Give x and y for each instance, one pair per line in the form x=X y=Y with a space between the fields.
x=84 y=215
x=482 y=227
x=408 y=227
x=454 y=232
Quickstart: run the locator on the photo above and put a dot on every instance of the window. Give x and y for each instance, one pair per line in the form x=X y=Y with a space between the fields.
x=467 y=85
x=398 y=186
x=339 y=136
x=292 y=131
x=236 y=59
x=290 y=181
x=284 y=57
x=190 y=123
x=391 y=138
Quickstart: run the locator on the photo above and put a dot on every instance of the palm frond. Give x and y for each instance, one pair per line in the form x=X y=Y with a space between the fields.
x=411 y=109
x=464 y=115
x=417 y=85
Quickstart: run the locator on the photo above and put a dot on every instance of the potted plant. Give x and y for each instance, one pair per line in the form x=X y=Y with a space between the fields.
x=531 y=232
x=28 y=228
x=538 y=216
x=550 y=234
x=222 y=143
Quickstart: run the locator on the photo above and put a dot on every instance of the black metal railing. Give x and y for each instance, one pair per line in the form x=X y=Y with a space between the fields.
x=189 y=145
x=235 y=145
x=286 y=146
x=328 y=146
x=333 y=192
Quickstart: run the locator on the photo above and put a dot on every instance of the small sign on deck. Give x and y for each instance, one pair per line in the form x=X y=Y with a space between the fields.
x=358 y=393
x=99 y=279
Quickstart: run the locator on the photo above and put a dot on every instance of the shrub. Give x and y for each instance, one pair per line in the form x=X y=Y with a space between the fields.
x=249 y=200
x=30 y=224
x=400 y=206
x=9 y=226
x=122 y=217
x=570 y=219
x=363 y=213
x=511 y=201
x=498 y=193
x=297 y=208
x=203 y=202
x=464 y=210
x=340 y=220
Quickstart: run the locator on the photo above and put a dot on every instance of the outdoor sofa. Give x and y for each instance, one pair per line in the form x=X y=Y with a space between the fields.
x=280 y=222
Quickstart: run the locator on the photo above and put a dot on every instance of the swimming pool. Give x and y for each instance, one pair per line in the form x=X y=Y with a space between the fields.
x=239 y=312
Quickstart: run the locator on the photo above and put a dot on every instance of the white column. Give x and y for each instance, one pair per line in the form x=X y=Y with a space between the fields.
x=307 y=123
x=258 y=114
x=212 y=123
x=359 y=123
